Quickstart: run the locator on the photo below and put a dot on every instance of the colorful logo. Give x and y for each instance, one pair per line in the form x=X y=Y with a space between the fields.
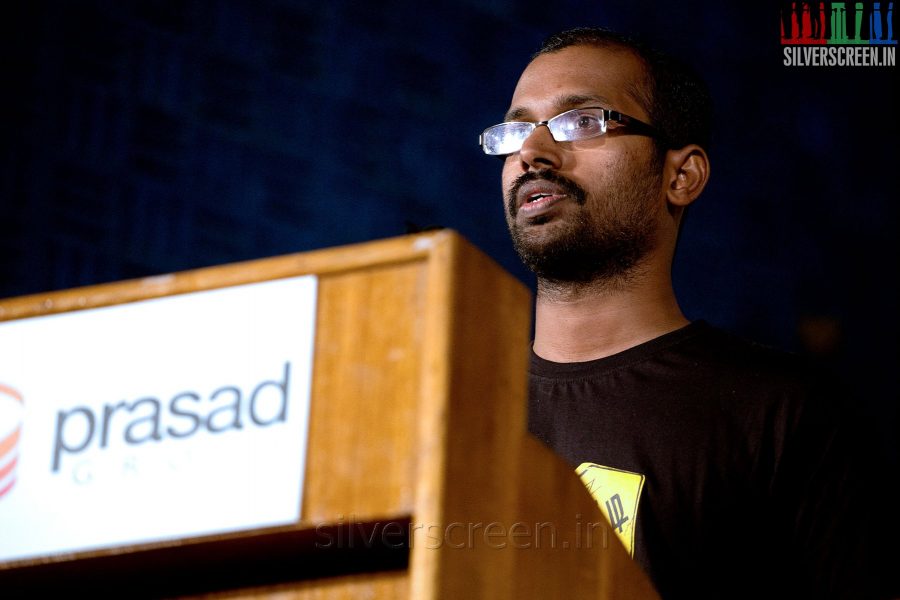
x=837 y=23
x=12 y=412
x=838 y=34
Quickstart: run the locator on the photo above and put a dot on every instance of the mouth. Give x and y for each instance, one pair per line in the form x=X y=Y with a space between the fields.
x=538 y=196
x=541 y=197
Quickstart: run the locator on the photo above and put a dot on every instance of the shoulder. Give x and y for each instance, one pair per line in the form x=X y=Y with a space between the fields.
x=726 y=347
x=775 y=395
x=730 y=359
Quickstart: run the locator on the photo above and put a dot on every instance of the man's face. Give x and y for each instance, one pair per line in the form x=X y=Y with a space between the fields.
x=586 y=210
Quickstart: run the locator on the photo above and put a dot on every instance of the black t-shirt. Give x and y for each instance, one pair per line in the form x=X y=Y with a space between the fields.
x=720 y=463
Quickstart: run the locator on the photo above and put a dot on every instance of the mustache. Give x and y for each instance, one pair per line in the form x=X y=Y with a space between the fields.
x=572 y=189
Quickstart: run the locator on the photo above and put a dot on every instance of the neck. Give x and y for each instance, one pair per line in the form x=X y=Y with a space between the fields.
x=580 y=322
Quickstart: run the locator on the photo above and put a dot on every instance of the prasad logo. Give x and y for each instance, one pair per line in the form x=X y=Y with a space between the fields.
x=12 y=413
x=148 y=419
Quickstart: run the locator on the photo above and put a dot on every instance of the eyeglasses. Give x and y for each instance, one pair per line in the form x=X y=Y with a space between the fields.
x=570 y=126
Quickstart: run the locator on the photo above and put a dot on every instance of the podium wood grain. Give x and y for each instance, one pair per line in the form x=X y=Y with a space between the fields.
x=418 y=416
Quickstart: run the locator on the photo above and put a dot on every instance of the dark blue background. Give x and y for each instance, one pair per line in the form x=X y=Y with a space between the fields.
x=146 y=137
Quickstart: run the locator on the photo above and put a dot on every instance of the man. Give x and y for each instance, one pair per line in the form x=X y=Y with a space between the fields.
x=719 y=463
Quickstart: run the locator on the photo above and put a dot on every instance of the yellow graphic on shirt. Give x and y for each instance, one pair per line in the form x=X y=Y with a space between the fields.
x=618 y=494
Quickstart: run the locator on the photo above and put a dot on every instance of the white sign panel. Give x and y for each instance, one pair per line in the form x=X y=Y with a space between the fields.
x=155 y=420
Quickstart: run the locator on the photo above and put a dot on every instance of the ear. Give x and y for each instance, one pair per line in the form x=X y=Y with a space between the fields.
x=686 y=172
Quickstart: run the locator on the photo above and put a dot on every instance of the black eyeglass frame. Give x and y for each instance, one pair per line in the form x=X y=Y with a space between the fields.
x=635 y=126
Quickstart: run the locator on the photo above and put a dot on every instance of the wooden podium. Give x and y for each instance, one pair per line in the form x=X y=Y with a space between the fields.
x=421 y=480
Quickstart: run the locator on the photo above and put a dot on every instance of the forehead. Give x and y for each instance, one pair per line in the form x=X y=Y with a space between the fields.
x=556 y=81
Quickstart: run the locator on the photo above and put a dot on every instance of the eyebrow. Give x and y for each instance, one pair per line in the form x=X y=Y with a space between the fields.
x=562 y=103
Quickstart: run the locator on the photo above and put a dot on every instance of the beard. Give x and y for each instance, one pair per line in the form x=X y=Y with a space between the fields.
x=601 y=243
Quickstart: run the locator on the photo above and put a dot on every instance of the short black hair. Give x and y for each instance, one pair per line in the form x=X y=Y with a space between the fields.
x=673 y=94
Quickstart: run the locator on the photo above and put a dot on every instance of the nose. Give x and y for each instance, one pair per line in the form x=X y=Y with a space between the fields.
x=540 y=150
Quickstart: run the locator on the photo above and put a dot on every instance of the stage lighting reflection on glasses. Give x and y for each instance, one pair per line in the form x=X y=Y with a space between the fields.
x=571 y=126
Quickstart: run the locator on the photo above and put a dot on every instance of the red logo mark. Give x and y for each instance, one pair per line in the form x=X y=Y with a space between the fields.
x=11 y=412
